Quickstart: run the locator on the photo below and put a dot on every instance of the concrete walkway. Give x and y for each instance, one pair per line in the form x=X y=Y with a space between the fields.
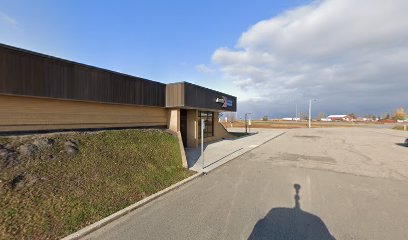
x=220 y=152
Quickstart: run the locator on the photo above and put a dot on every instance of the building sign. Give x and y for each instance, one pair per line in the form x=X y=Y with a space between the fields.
x=225 y=102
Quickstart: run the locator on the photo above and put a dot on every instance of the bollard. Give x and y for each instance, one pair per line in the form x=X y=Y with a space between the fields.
x=405 y=127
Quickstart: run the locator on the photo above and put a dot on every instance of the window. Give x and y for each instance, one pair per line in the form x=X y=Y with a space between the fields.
x=209 y=123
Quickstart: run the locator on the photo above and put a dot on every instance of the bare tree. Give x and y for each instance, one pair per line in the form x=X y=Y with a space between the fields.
x=321 y=115
x=231 y=117
x=352 y=115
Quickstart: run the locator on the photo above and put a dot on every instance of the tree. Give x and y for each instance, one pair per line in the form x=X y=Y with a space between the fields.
x=231 y=117
x=352 y=115
x=321 y=115
x=265 y=118
x=400 y=114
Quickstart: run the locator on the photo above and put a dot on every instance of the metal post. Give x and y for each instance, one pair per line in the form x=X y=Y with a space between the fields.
x=310 y=113
x=246 y=125
x=202 y=142
x=296 y=116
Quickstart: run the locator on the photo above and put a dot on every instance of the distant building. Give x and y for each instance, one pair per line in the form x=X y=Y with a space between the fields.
x=291 y=119
x=345 y=118
x=365 y=119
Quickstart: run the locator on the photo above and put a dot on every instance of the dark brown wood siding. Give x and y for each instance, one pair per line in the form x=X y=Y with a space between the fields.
x=201 y=97
x=31 y=74
x=189 y=95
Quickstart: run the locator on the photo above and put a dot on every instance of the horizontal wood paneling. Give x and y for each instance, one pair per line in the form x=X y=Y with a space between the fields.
x=32 y=74
x=27 y=113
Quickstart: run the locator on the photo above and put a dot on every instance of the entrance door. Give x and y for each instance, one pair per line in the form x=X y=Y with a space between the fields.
x=183 y=126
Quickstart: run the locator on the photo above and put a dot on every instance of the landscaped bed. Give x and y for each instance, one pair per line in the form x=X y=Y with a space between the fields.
x=54 y=184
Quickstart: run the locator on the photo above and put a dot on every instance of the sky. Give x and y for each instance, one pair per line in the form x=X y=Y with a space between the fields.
x=351 y=56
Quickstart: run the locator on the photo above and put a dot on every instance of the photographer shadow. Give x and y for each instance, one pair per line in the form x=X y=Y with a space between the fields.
x=290 y=223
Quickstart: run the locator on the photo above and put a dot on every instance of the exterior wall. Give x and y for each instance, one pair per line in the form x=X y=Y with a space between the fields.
x=192 y=133
x=191 y=96
x=182 y=152
x=40 y=92
x=203 y=98
x=173 y=119
x=28 y=113
x=219 y=131
x=28 y=73
x=192 y=128
x=175 y=95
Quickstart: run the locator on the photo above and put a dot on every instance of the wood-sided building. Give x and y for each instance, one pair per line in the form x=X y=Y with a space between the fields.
x=41 y=92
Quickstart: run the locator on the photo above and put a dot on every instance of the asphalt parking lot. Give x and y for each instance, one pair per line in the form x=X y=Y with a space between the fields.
x=334 y=183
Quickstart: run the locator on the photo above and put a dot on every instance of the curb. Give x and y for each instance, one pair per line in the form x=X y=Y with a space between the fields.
x=95 y=226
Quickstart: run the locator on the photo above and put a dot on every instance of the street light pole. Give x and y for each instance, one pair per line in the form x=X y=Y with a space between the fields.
x=310 y=113
x=296 y=116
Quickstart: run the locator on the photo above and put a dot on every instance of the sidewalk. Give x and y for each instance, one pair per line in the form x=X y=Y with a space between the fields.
x=220 y=152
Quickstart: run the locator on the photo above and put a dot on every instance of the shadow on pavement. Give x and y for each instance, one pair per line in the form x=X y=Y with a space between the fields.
x=239 y=135
x=194 y=154
x=290 y=223
x=402 y=144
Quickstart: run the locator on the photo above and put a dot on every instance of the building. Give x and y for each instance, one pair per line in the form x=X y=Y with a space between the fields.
x=291 y=119
x=346 y=118
x=41 y=92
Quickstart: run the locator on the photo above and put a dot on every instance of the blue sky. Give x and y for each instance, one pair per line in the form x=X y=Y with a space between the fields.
x=268 y=53
x=158 y=40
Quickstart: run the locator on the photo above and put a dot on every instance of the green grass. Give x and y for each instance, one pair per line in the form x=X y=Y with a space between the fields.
x=112 y=170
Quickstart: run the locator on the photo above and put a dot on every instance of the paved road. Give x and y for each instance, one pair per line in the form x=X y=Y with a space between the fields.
x=348 y=183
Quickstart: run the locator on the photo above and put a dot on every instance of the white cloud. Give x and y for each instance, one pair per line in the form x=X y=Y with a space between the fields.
x=353 y=55
x=202 y=68
x=8 y=20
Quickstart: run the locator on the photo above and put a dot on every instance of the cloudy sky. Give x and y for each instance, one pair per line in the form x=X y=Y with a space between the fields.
x=352 y=56
x=349 y=55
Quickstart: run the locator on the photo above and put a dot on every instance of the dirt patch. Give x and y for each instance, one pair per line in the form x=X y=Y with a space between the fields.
x=71 y=147
x=8 y=157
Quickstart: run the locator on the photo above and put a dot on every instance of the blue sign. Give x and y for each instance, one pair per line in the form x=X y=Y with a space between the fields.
x=229 y=103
